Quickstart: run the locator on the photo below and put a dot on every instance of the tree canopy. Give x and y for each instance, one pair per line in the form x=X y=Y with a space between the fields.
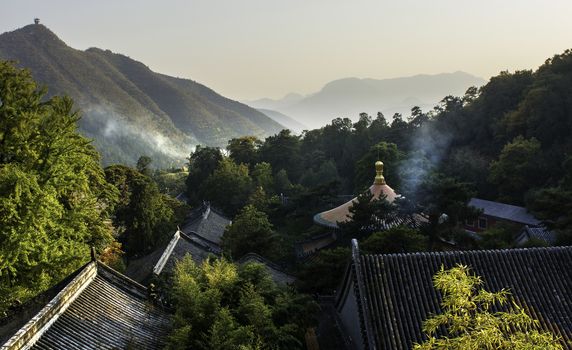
x=54 y=200
x=222 y=306
x=244 y=150
x=228 y=187
x=144 y=217
x=202 y=163
x=518 y=168
x=250 y=232
x=399 y=239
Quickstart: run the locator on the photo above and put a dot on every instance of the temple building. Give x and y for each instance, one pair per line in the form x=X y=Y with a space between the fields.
x=207 y=224
x=200 y=236
x=94 y=308
x=493 y=213
x=330 y=218
x=384 y=298
x=379 y=189
x=180 y=245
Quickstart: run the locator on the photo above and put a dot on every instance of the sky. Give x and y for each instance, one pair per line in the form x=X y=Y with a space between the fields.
x=249 y=49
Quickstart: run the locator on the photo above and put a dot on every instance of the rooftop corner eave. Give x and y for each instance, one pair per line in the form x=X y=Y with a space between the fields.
x=322 y=222
x=39 y=324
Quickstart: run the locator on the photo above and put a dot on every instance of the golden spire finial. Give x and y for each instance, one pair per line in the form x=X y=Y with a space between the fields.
x=379 y=179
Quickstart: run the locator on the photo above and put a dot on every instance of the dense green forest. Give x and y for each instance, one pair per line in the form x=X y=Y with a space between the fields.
x=509 y=141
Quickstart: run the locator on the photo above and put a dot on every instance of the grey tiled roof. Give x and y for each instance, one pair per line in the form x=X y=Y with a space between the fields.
x=504 y=211
x=395 y=292
x=201 y=235
x=182 y=244
x=207 y=223
x=537 y=232
x=276 y=272
x=98 y=309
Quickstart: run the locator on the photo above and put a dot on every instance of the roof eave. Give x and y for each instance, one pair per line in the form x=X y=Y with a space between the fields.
x=31 y=332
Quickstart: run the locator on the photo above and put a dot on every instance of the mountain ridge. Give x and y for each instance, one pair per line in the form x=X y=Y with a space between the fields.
x=347 y=97
x=129 y=110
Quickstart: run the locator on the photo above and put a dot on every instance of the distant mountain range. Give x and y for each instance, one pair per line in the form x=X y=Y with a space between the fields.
x=128 y=109
x=285 y=120
x=351 y=96
x=284 y=102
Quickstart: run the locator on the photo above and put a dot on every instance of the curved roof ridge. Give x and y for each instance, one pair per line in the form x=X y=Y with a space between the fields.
x=471 y=252
x=42 y=321
x=86 y=309
x=167 y=253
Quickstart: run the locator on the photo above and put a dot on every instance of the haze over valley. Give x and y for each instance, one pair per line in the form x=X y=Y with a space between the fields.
x=347 y=98
x=129 y=110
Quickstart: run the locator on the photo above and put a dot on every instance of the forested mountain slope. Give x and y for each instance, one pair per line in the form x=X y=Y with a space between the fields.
x=128 y=109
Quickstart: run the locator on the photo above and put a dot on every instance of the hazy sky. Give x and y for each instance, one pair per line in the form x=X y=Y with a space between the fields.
x=247 y=49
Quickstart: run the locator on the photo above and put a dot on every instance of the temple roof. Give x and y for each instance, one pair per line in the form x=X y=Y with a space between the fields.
x=537 y=232
x=395 y=292
x=207 y=223
x=379 y=189
x=276 y=272
x=200 y=236
x=98 y=309
x=505 y=211
x=182 y=244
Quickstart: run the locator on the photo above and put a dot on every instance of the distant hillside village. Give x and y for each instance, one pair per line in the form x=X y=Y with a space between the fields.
x=445 y=229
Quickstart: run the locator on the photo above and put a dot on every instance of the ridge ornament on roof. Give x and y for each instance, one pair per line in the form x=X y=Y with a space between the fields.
x=379 y=179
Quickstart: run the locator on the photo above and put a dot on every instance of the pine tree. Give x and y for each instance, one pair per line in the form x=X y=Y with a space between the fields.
x=143 y=215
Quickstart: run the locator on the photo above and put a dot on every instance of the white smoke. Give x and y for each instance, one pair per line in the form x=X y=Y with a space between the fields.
x=429 y=146
x=115 y=127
